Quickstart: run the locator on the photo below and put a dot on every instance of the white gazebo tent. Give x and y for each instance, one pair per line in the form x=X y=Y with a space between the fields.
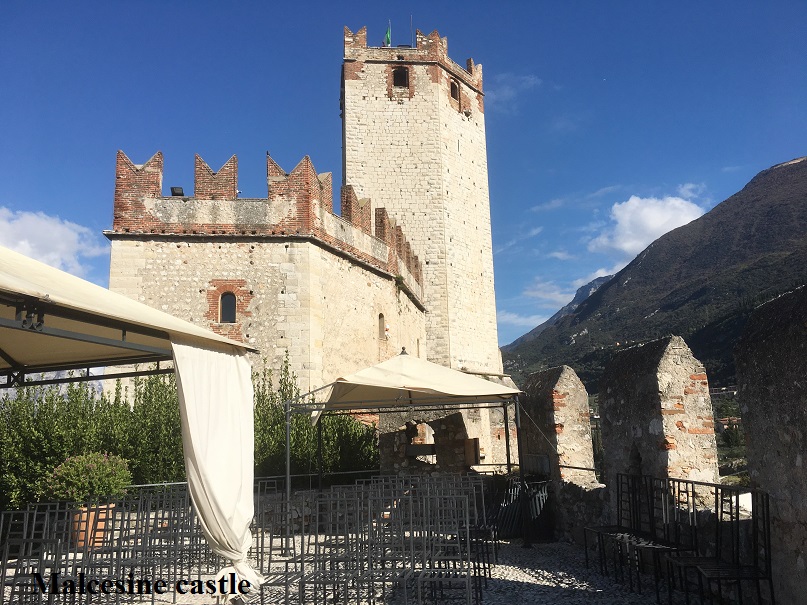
x=51 y=321
x=402 y=383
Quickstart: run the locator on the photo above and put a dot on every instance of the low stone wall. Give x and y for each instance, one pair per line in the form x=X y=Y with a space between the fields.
x=575 y=506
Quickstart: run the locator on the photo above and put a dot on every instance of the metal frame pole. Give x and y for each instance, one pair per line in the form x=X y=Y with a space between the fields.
x=525 y=508
x=507 y=438
x=288 y=479
x=319 y=454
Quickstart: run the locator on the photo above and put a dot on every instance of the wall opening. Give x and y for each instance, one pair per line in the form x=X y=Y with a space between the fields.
x=227 y=308
x=382 y=327
x=455 y=91
x=634 y=461
x=400 y=77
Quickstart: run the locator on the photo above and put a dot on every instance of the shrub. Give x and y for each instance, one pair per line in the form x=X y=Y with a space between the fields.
x=91 y=478
x=733 y=436
x=347 y=444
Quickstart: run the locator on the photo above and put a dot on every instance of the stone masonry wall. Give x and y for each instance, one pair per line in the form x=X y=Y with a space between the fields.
x=291 y=297
x=555 y=423
x=423 y=153
x=656 y=413
x=772 y=380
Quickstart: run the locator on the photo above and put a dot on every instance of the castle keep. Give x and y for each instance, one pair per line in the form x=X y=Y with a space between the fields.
x=407 y=264
x=414 y=142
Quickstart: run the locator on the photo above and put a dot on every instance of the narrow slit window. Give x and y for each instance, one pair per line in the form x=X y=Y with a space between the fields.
x=382 y=327
x=400 y=77
x=227 y=308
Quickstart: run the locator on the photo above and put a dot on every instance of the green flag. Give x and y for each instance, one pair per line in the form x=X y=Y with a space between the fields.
x=388 y=35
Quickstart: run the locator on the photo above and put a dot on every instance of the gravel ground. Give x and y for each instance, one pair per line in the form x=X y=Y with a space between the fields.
x=556 y=572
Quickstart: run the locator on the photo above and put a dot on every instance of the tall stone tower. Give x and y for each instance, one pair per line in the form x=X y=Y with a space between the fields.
x=414 y=143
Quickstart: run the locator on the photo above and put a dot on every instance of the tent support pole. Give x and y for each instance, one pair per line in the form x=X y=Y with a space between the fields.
x=526 y=525
x=288 y=480
x=507 y=439
x=319 y=454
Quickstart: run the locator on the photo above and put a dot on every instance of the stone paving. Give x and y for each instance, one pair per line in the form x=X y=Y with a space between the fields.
x=555 y=572
x=546 y=574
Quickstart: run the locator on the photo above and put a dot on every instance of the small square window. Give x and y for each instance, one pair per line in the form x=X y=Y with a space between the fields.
x=400 y=77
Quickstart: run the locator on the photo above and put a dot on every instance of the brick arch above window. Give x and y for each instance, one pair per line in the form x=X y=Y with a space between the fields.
x=400 y=81
x=216 y=291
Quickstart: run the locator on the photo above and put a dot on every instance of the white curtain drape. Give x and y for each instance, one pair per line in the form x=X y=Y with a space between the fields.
x=216 y=407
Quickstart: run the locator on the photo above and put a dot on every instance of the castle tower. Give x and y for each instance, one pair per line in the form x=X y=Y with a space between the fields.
x=414 y=142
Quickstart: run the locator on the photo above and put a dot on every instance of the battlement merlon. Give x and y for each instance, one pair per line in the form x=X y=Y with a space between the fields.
x=298 y=203
x=428 y=49
x=221 y=185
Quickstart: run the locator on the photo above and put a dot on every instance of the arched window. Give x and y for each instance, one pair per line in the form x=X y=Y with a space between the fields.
x=400 y=77
x=227 y=308
x=455 y=91
x=382 y=327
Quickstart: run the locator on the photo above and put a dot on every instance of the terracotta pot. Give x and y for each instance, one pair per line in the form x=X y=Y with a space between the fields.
x=89 y=525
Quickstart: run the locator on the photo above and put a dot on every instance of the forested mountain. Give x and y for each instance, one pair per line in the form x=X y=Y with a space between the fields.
x=699 y=281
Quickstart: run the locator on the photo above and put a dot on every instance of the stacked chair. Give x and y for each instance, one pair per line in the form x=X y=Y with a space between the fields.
x=412 y=539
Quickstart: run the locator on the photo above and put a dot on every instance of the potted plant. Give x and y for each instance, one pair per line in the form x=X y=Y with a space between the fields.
x=92 y=481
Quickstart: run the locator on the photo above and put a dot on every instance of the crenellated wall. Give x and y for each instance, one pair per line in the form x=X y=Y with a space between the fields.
x=306 y=280
x=656 y=413
x=299 y=203
x=556 y=424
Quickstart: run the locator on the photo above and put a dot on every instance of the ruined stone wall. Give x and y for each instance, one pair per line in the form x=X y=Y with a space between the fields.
x=556 y=423
x=656 y=413
x=574 y=506
x=772 y=380
x=450 y=428
x=423 y=153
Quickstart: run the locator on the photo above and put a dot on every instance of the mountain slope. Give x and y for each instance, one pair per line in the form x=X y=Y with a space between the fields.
x=583 y=292
x=699 y=281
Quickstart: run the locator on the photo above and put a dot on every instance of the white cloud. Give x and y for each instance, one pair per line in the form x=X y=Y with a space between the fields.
x=639 y=221
x=561 y=255
x=691 y=190
x=731 y=168
x=514 y=319
x=604 y=191
x=504 y=89
x=550 y=205
x=549 y=292
x=49 y=239
x=518 y=238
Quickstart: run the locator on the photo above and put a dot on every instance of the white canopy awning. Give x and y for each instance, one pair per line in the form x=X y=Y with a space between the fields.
x=408 y=381
x=51 y=321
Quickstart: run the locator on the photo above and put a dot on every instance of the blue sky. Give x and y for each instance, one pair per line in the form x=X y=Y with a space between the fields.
x=608 y=123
